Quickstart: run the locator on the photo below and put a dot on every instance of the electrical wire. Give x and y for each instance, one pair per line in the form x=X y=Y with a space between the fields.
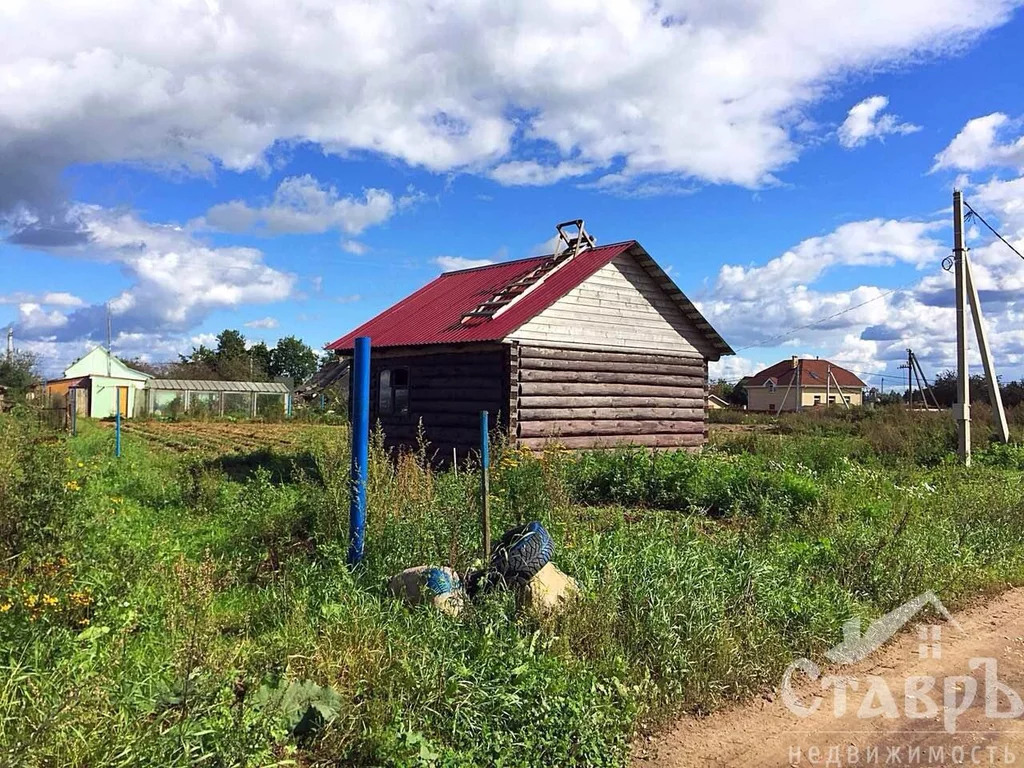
x=820 y=320
x=974 y=214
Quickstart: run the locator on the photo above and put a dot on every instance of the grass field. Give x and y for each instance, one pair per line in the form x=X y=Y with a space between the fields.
x=185 y=604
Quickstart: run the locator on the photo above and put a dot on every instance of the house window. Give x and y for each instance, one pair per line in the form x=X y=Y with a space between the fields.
x=831 y=399
x=770 y=385
x=771 y=406
x=393 y=398
x=817 y=399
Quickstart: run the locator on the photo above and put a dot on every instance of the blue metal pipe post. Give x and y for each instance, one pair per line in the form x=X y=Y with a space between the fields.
x=360 y=448
x=485 y=483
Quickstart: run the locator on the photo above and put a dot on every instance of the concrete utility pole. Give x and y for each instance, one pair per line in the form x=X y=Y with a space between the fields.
x=962 y=409
x=994 y=395
x=10 y=342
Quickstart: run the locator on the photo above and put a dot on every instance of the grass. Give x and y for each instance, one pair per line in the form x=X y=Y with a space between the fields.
x=174 y=608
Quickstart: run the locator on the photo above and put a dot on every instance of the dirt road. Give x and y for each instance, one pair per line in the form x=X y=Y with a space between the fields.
x=873 y=728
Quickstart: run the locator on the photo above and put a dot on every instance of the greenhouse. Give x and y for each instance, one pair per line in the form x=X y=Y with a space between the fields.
x=242 y=399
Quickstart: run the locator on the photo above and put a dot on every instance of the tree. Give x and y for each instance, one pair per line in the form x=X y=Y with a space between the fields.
x=262 y=361
x=18 y=372
x=722 y=388
x=230 y=345
x=738 y=394
x=293 y=358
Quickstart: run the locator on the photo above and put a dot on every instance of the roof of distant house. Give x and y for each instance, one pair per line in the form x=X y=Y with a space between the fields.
x=435 y=313
x=813 y=373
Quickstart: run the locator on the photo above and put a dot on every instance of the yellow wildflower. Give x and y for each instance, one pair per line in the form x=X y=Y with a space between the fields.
x=81 y=464
x=83 y=622
x=72 y=485
x=30 y=601
x=5 y=607
x=49 y=600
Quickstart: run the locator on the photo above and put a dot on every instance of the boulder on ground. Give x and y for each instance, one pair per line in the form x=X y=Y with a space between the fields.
x=439 y=586
x=549 y=591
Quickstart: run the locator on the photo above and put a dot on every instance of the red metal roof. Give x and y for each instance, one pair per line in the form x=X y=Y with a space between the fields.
x=813 y=373
x=433 y=314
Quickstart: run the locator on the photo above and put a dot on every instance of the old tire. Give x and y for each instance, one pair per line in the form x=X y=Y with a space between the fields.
x=521 y=553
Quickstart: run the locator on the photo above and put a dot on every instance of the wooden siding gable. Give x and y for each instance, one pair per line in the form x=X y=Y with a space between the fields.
x=621 y=306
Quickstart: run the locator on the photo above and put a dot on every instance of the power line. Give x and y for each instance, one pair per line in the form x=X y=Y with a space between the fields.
x=820 y=320
x=974 y=214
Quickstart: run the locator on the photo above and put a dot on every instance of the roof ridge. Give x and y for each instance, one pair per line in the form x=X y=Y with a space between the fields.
x=528 y=258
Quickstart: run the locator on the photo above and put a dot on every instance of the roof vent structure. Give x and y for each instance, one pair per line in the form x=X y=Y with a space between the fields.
x=570 y=243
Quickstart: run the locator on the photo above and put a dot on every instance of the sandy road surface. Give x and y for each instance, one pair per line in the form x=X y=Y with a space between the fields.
x=766 y=733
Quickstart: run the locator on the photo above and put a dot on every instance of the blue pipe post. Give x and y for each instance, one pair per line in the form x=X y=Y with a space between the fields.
x=360 y=448
x=117 y=427
x=485 y=483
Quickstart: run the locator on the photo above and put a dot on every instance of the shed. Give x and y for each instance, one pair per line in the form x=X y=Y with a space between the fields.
x=102 y=382
x=591 y=346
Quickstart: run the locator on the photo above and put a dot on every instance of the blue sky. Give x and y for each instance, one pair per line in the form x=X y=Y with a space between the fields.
x=298 y=174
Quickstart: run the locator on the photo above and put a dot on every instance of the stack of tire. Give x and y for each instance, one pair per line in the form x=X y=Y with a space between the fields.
x=521 y=561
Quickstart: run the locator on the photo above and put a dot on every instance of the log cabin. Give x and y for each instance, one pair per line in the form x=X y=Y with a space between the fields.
x=590 y=346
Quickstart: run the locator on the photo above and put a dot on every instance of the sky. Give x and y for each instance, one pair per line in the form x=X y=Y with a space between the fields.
x=295 y=169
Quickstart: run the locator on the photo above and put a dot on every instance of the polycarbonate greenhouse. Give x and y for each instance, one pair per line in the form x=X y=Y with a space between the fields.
x=243 y=399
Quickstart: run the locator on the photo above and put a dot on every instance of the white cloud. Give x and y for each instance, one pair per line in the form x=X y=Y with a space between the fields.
x=734 y=368
x=303 y=205
x=176 y=280
x=870 y=325
x=1005 y=198
x=350 y=299
x=354 y=247
x=452 y=263
x=530 y=173
x=264 y=322
x=715 y=92
x=33 y=319
x=978 y=146
x=867 y=120
x=52 y=299
x=860 y=243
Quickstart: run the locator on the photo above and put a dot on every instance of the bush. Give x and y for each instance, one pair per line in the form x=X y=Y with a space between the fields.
x=37 y=491
x=718 y=484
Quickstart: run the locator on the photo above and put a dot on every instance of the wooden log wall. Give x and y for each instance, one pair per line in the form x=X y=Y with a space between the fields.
x=591 y=399
x=447 y=391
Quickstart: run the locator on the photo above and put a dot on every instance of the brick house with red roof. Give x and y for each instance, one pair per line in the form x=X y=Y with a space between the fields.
x=589 y=346
x=795 y=384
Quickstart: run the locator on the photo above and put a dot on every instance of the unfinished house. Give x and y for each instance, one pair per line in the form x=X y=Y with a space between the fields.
x=588 y=347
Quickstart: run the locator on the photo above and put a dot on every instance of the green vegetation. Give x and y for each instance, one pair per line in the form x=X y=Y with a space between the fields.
x=181 y=608
x=233 y=360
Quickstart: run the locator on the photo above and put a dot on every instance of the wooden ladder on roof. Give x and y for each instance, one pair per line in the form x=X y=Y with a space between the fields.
x=572 y=244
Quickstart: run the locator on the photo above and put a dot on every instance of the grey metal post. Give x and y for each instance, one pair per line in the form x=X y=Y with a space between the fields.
x=962 y=409
x=994 y=395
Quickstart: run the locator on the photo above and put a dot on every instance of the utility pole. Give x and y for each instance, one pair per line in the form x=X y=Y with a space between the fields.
x=10 y=342
x=962 y=409
x=109 y=352
x=994 y=395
